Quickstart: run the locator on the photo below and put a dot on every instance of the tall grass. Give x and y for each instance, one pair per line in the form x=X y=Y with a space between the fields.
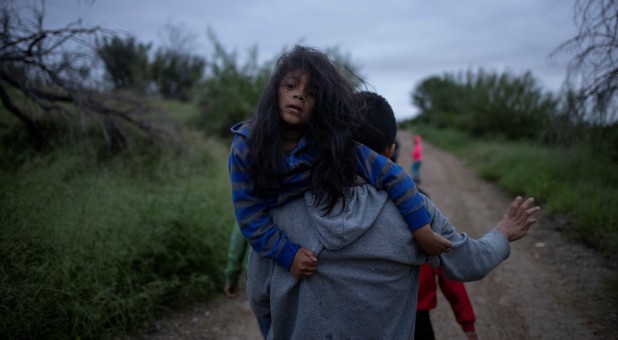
x=91 y=250
x=566 y=181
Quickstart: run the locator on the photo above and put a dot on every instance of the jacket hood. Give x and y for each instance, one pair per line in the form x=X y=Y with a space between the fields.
x=242 y=128
x=342 y=227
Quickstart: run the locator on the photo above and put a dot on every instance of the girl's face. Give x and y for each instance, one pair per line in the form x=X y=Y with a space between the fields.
x=296 y=98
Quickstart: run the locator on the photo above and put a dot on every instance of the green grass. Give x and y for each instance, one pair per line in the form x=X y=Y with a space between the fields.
x=566 y=181
x=182 y=111
x=94 y=250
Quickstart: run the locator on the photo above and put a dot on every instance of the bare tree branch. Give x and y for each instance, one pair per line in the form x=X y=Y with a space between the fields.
x=46 y=67
x=595 y=50
x=24 y=118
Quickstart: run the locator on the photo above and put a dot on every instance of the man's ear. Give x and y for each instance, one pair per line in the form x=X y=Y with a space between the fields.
x=389 y=151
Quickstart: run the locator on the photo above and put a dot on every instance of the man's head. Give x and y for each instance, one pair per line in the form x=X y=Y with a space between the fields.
x=380 y=127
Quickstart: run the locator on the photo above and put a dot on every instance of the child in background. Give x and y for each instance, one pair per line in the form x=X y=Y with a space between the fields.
x=305 y=120
x=417 y=159
x=379 y=114
x=456 y=294
x=236 y=258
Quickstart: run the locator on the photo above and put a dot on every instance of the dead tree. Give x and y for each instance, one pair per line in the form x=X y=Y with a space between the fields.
x=594 y=65
x=45 y=75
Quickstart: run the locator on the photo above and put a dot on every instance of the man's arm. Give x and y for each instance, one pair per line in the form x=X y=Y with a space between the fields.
x=471 y=260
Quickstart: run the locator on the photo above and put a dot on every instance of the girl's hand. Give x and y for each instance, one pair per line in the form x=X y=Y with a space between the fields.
x=304 y=264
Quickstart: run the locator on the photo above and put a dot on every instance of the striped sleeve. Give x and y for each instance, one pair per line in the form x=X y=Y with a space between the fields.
x=252 y=211
x=382 y=173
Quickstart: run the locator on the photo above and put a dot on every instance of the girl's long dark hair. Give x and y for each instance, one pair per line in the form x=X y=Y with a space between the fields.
x=329 y=130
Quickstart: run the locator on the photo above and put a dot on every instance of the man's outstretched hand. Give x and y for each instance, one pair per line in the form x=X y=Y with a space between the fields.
x=304 y=264
x=518 y=220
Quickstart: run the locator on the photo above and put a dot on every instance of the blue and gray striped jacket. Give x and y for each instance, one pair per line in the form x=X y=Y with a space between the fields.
x=252 y=210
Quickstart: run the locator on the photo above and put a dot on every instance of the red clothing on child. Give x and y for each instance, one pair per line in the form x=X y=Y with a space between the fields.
x=454 y=291
x=417 y=151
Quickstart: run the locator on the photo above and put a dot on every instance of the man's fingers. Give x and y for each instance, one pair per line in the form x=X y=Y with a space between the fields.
x=513 y=208
x=529 y=201
x=533 y=210
x=521 y=210
x=529 y=212
x=524 y=212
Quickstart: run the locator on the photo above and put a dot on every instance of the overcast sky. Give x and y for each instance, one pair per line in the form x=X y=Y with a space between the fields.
x=396 y=44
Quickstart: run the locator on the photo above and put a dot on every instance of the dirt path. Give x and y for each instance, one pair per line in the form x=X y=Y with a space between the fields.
x=548 y=289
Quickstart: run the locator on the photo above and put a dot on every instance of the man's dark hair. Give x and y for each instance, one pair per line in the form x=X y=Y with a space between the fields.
x=380 y=126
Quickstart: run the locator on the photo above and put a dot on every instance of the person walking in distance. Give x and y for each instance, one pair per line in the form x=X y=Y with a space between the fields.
x=417 y=159
x=454 y=291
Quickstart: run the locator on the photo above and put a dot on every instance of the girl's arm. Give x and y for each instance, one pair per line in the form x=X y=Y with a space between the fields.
x=252 y=211
x=382 y=173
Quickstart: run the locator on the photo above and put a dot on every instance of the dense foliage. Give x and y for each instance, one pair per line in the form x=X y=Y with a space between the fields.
x=176 y=74
x=570 y=182
x=231 y=90
x=126 y=62
x=96 y=249
x=486 y=104
x=505 y=106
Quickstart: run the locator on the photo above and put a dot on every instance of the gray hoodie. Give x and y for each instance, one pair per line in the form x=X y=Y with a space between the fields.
x=366 y=284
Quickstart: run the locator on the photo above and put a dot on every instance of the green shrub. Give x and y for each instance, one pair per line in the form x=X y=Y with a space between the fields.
x=485 y=104
x=93 y=250
x=568 y=181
